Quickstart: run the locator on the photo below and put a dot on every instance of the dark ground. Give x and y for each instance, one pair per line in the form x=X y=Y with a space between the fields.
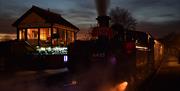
x=167 y=78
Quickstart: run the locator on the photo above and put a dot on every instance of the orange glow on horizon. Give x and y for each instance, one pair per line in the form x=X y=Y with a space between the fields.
x=6 y=36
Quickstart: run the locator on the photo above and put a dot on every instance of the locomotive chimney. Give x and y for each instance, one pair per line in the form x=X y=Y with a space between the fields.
x=103 y=21
x=102 y=7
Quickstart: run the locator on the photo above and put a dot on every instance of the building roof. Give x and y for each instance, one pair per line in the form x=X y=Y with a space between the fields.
x=50 y=17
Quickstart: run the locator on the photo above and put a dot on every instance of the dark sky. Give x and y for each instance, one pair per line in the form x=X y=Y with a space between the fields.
x=158 y=17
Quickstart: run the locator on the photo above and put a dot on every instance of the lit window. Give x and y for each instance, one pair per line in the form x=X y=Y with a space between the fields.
x=54 y=30
x=44 y=33
x=22 y=34
x=73 y=36
x=32 y=33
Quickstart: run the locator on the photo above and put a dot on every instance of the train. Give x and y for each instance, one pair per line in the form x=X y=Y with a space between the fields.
x=122 y=55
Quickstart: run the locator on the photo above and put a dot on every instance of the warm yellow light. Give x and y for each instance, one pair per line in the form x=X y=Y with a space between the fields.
x=22 y=34
x=44 y=33
x=156 y=42
x=122 y=86
x=142 y=48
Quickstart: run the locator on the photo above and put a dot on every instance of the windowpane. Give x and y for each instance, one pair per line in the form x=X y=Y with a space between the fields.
x=32 y=33
x=22 y=34
x=45 y=36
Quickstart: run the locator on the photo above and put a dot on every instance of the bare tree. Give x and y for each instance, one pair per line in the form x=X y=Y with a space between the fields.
x=123 y=17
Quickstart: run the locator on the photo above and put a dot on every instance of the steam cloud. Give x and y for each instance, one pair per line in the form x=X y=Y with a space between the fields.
x=102 y=6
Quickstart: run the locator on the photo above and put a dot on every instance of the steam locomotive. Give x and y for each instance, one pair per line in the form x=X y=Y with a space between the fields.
x=115 y=49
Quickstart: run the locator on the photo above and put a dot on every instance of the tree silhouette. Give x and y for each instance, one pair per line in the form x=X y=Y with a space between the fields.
x=123 y=17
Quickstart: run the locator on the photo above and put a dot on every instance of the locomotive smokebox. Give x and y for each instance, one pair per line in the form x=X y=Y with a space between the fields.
x=103 y=21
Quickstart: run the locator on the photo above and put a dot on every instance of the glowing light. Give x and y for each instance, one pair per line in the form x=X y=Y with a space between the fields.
x=52 y=50
x=65 y=58
x=156 y=42
x=41 y=49
x=122 y=86
x=48 y=48
x=142 y=48
x=74 y=82
x=32 y=33
x=44 y=33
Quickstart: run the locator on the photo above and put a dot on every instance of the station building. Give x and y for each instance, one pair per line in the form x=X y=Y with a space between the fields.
x=43 y=28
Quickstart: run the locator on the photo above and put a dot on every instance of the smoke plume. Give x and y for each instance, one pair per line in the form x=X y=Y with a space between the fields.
x=102 y=6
